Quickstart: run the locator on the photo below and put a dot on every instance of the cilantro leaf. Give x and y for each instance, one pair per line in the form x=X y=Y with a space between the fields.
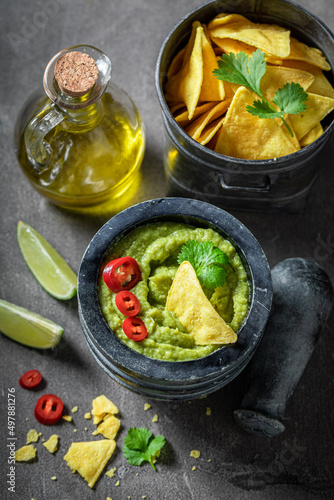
x=241 y=69
x=140 y=446
x=248 y=71
x=263 y=110
x=291 y=99
x=207 y=260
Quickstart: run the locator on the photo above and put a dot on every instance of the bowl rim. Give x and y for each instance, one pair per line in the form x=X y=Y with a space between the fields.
x=113 y=351
x=267 y=166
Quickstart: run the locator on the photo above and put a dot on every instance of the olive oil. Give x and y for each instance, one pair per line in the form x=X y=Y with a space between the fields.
x=91 y=156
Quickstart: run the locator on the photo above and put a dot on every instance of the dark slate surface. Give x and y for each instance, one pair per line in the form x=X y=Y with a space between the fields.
x=297 y=464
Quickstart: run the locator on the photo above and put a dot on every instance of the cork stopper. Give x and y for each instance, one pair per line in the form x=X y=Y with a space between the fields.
x=76 y=73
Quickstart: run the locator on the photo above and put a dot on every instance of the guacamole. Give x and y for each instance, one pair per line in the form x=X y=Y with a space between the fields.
x=155 y=247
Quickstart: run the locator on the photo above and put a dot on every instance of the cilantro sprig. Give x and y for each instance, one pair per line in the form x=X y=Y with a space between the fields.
x=248 y=71
x=207 y=260
x=140 y=446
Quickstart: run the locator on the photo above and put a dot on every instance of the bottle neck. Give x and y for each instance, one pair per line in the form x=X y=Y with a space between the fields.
x=83 y=119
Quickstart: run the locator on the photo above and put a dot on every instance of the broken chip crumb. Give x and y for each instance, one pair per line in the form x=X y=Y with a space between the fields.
x=89 y=458
x=108 y=498
x=26 y=453
x=147 y=406
x=118 y=483
x=155 y=418
x=68 y=418
x=52 y=443
x=103 y=405
x=86 y=428
x=75 y=430
x=111 y=472
x=74 y=409
x=195 y=453
x=194 y=467
x=208 y=411
x=33 y=436
x=109 y=427
x=54 y=478
x=209 y=460
x=88 y=415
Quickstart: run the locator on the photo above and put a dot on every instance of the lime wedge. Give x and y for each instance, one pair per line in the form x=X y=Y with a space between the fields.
x=45 y=263
x=28 y=328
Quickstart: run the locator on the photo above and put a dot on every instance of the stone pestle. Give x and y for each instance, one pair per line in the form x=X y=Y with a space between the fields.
x=302 y=302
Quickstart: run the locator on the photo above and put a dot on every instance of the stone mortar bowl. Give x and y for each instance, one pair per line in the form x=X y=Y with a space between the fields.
x=180 y=380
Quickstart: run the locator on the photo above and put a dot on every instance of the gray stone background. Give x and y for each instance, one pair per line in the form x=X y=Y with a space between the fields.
x=299 y=463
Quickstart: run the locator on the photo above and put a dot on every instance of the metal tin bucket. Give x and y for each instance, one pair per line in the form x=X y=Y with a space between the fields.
x=196 y=171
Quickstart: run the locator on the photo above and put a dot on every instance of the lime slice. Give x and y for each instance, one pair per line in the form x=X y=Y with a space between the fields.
x=45 y=263
x=27 y=327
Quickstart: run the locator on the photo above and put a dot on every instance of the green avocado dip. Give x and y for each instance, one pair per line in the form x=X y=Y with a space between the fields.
x=155 y=247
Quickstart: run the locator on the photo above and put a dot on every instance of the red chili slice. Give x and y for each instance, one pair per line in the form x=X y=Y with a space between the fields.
x=127 y=303
x=30 y=379
x=134 y=328
x=122 y=274
x=48 y=409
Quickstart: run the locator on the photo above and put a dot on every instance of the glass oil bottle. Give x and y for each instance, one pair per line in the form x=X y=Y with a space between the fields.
x=82 y=143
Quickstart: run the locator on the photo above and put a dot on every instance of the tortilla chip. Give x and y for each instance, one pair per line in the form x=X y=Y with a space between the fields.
x=52 y=443
x=246 y=136
x=177 y=108
x=209 y=132
x=272 y=39
x=194 y=81
x=191 y=90
x=196 y=127
x=320 y=84
x=276 y=77
x=228 y=45
x=103 y=405
x=302 y=52
x=212 y=88
x=109 y=427
x=25 y=453
x=182 y=116
x=176 y=63
x=293 y=139
x=313 y=134
x=317 y=108
x=90 y=458
x=185 y=86
x=189 y=303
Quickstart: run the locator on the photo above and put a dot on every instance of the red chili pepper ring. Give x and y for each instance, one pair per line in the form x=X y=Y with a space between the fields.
x=48 y=409
x=134 y=328
x=127 y=303
x=30 y=379
x=122 y=274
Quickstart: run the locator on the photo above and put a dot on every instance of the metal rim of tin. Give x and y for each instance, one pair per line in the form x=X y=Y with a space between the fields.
x=167 y=379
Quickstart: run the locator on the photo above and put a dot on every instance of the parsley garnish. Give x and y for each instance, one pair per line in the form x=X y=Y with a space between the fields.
x=207 y=260
x=247 y=71
x=139 y=446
